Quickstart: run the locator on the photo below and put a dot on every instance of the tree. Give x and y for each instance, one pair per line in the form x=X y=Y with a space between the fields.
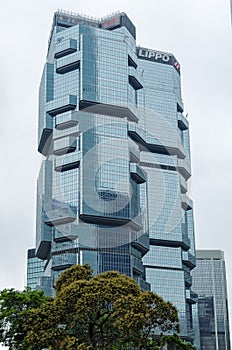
x=13 y=308
x=107 y=311
x=174 y=342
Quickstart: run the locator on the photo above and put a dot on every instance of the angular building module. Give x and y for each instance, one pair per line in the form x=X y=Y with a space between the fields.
x=35 y=269
x=112 y=189
x=209 y=281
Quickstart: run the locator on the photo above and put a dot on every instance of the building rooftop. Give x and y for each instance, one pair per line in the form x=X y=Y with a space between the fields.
x=66 y=19
x=210 y=254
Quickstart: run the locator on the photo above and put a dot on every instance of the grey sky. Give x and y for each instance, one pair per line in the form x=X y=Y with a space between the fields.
x=198 y=32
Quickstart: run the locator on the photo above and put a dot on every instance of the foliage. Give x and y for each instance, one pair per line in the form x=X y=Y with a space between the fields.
x=174 y=342
x=83 y=272
x=107 y=311
x=13 y=308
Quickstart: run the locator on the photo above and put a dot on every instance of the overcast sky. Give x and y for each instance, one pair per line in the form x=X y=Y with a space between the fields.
x=198 y=32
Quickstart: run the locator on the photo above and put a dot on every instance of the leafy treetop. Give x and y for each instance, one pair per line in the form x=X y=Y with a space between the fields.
x=106 y=311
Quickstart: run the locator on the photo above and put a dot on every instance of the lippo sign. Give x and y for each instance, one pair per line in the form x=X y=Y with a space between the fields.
x=157 y=56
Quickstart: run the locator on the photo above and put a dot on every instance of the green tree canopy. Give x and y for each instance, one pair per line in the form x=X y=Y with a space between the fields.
x=107 y=311
x=174 y=342
x=13 y=308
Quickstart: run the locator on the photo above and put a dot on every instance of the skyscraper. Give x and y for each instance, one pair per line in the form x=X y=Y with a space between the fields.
x=231 y=10
x=112 y=189
x=209 y=281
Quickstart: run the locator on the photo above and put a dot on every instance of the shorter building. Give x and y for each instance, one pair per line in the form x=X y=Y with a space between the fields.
x=35 y=269
x=209 y=281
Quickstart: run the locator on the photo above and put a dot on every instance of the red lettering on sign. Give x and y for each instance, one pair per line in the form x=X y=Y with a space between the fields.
x=111 y=22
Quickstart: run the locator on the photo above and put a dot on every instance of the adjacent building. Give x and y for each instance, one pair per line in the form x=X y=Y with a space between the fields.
x=209 y=281
x=112 y=189
x=231 y=10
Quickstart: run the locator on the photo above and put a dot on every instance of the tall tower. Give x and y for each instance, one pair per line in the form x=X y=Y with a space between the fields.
x=209 y=281
x=112 y=189
x=231 y=10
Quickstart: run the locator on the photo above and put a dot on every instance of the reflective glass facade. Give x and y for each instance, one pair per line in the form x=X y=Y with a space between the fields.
x=209 y=281
x=35 y=269
x=112 y=189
